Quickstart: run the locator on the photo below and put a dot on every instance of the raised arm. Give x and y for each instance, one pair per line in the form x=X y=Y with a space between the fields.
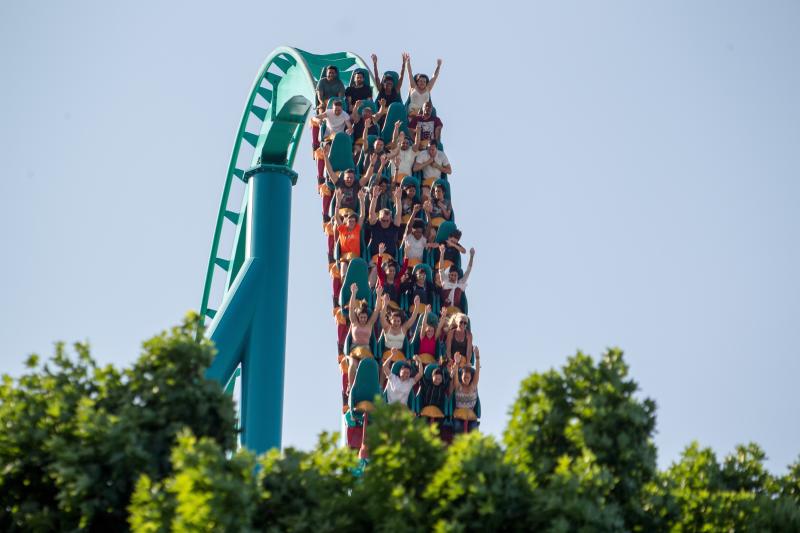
x=365 y=134
x=398 y=205
x=383 y=109
x=355 y=114
x=398 y=278
x=387 y=367
x=421 y=326
x=449 y=344
x=375 y=69
x=469 y=346
x=365 y=179
x=396 y=137
x=469 y=265
x=414 y=211
x=419 y=369
x=334 y=176
x=410 y=74
x=454 y=373
x=373 y=203
x=442 y=272
x=362 y=197
x=440 y=327
x=353 y=299
x=378 y=307
x=414 y=315
x=406 y=57
x=477 y=368
x=337 y=218
x=384 y=305
x=379 y=265
x=435 y=75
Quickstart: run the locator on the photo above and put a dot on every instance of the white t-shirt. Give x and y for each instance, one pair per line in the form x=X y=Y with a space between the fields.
x=336 y=123
x=429 y=171
x=397 y=390
x=448 y=285
x=418 y=99
x=405 y=162
x=414 y=248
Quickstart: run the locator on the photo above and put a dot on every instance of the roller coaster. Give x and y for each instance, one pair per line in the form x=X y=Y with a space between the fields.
x=243 y=307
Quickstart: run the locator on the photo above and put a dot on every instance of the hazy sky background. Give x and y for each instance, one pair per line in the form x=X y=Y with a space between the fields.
x=628 y=172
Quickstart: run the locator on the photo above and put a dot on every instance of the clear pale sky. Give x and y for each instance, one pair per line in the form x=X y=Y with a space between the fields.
x=628 y=172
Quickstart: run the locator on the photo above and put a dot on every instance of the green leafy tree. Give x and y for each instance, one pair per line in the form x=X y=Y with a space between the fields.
x=739 y=495
x=78 y=436
x=586 y=443
x=477 y=490
x=205 y=492
x=309 y=491
x=405 y=455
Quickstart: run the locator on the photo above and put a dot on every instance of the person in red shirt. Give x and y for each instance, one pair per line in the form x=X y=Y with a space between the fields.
x=430 y=126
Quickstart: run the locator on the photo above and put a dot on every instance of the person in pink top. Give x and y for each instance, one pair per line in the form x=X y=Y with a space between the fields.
x=361 y=324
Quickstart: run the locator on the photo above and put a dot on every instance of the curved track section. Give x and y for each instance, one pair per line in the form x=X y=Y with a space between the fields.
x=286 y=74
x=245 y=290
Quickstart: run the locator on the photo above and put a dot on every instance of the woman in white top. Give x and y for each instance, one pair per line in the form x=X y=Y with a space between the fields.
x=399 y=387
x=394 y=330
x=420 y=87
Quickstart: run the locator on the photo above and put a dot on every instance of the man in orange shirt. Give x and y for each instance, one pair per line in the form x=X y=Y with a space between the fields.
x=347 y=228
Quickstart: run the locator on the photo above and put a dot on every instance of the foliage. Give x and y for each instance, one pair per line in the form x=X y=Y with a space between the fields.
x=585 y=441
x=199 y=495
x=151 y=448
x=78 y=436
x=739 y=495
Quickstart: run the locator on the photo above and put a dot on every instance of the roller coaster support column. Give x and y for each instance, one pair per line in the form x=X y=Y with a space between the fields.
x=254 y=320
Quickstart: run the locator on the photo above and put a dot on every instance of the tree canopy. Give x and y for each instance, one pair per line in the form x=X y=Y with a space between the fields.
x=152 y=448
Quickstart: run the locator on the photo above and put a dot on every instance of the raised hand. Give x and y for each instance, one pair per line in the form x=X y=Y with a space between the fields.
x=472 y=252
x=438 y=62
x=386 y=300
x=374 y=58
x=428 y=308
x=406 y=57
x=362 y=194
x=338 y=194
x=381 y=248
x=441 y=248
x=373 y=157
x=367 y=122
x=415 y=209
x=416 y=300
x=398 y=123
x=354 y=288
x=477 y=353
x=457 y=357
x=378 y=291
